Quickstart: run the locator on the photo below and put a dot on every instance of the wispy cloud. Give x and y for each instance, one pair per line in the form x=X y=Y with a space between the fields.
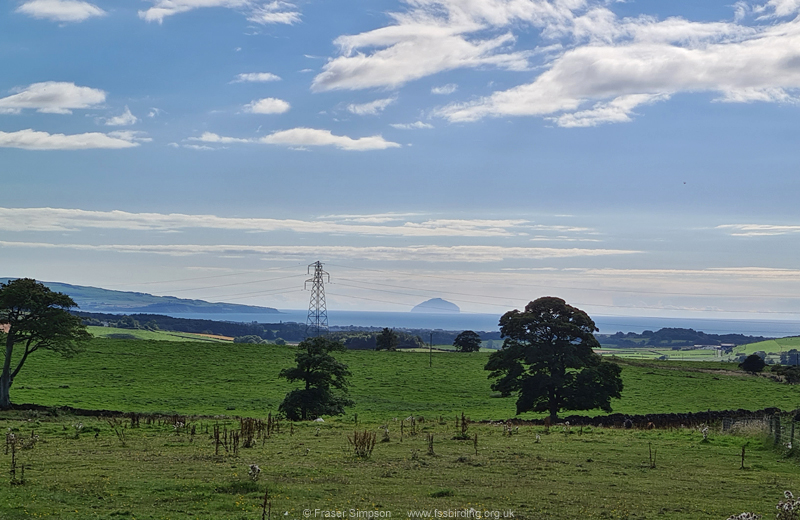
x=759 y=230
x=62 y=219
x=267 y=106
x=444 y=90
x=258 y=12
x=52 y=97
x=124 y=119
x=256 y=77
x=60 y=10
x=372 y=108
x=411 y=126
x=421 y=253
x=33 y=140
x=275 y=12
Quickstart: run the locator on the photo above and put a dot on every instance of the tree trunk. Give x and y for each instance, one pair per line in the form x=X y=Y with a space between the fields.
x=5 y=376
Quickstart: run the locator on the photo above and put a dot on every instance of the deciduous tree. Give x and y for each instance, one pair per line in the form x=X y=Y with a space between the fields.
x=467 y=341
x=753 y=364
x=386 y=340
x=36 y=318
x=322 y=376
x=548 y=360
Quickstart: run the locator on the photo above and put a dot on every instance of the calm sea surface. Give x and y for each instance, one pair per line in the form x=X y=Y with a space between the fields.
x=488 y=322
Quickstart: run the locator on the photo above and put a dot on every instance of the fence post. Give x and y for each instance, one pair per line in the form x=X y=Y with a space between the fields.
x=777 y=429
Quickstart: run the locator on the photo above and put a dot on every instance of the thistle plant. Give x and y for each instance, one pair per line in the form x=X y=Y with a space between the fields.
x=788 y=509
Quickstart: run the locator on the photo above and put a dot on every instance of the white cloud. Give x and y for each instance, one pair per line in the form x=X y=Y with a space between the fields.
x=317 y=137
x=758 y=230
x=52 y=97
x=267 y=106
x=124 y=119
x=414 y=253
x=154 y=112
x=618 y=110
x=131 y=135
x=256 y=77
x=275 y=12
x=778 y=8
x=372 y=108
x=209 y=137
x=33 y=140
x=263 y=13
x=411 y=126
x=62 y=219
x=432 y=36
x=444 y=90
x=60 y=10
x=412 y=56
x=646 y=61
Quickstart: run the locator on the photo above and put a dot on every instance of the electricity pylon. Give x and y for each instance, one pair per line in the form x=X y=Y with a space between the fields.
x=317 y=321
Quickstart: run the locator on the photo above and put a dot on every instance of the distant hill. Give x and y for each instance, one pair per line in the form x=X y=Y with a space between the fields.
x=95 y=299
x=437 y=306
x=673 y=337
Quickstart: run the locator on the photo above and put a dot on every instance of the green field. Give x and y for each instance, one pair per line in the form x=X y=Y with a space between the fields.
x=580 y=473
x=227 y=378
x=160 y=472
x=772 y=345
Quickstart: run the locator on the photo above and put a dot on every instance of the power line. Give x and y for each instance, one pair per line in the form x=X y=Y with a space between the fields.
x=552 y=286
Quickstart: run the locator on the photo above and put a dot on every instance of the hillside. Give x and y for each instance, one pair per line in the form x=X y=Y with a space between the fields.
x=95 y=299
x=673 y=337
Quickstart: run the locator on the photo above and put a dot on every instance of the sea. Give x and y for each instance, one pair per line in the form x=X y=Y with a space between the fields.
x=489 y=322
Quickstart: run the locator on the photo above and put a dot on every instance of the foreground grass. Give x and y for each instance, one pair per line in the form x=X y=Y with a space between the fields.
x=578 y=474
x=242 y=379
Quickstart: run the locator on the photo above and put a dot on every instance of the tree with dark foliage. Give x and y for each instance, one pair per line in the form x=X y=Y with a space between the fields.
x=386 y=340
x=467 y=341
x=753 y=364
x=548 y=360
x=34 y=318
x=321 y=375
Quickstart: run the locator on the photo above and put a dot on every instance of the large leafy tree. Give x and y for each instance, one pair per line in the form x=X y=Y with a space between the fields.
x=467 y=341
x=34 y=318
x=548 y=360
x=324 y=381
x=386 y=340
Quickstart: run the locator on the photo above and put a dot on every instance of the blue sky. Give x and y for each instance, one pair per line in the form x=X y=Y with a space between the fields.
x=635 y=158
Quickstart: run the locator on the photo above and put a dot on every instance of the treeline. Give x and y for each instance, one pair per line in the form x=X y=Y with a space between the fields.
x=358 y=340
x=436 y=336
x=288 y=331
x=674 y=337
x=353 y=337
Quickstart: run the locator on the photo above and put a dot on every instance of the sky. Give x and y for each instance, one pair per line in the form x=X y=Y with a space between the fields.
x=636 y=158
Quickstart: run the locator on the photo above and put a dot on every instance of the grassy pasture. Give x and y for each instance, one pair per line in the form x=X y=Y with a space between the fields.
x=159 y=473
x=589 y=473
x=771 y=345
x=225 y=378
